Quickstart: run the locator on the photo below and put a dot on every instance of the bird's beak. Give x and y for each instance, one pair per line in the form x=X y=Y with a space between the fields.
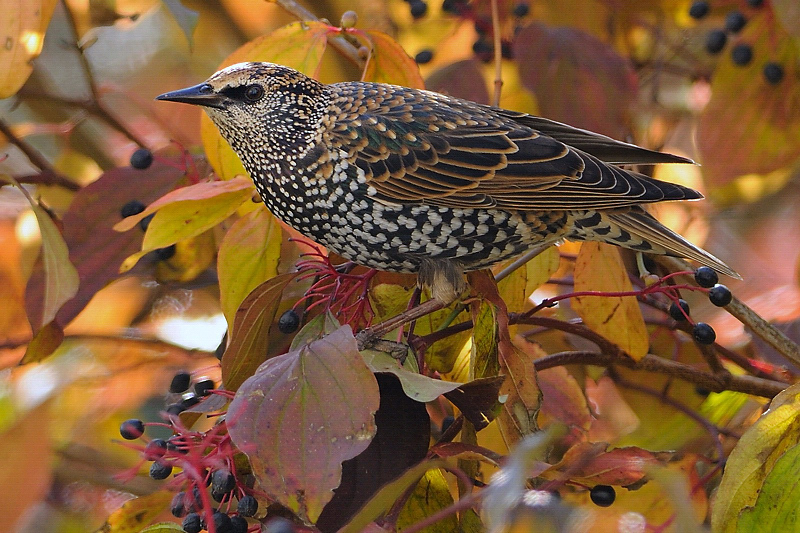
x=202 y=94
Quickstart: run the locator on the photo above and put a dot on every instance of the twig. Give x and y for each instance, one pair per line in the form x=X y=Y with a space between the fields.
x=498 y=54
x=337 y=41
x=48 y=174
x=519 y=262
x=462 y=504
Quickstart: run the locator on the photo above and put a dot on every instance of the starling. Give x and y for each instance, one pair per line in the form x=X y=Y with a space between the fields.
x=407 y=180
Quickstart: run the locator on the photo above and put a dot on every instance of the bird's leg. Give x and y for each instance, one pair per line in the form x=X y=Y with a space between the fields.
x=367 y=338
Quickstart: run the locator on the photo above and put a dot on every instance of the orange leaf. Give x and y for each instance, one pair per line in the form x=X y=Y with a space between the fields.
x=389 y=63
x=618 y=319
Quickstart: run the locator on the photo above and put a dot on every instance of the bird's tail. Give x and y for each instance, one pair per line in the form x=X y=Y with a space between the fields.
x=634 y=228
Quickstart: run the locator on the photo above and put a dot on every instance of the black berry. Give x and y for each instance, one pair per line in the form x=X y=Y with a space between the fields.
x=706 y=277
x=742 y=54
x=675 y=310
x=131 y=429
x=703 y=333
x=715 y=41
x=223 y=481
x=603 y=495
x=483 y=50
x=755 y=3
x=192 y=523
x=176 y=444
x=506 y=50
x=134 y=207
x=175 y=409
x=447 y=422
x=145 y=222
x=773 y=73
x=177 y=508
x=735 y=21
x=418 y=8
x=247 y=506
x=162 y=254
x=699 y=10
x=289 y=322
x=238 y=524
x=702 y=391
x=155 y=449
x=218 y=495
x=452 y=6
x=204 y=387
x=189 y=400
x=278 y=525
x=141 y=158
x=423 y=57
x=222 y=522
x=521 y=10
x=720 y=295
x=180 y=382
x=160 y=470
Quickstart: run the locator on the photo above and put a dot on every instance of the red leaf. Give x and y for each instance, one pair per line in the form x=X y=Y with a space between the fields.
x=577 y=78
x=301 y=415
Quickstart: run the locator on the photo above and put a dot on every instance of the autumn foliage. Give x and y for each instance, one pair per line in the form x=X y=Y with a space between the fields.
x=584 y=389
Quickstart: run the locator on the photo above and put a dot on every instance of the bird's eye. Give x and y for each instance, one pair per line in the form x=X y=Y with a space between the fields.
x=254 y=93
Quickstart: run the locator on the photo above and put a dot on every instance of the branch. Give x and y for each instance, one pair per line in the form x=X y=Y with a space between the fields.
x=48 y=174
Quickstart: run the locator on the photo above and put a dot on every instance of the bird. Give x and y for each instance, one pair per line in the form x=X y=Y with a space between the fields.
x=408 y=180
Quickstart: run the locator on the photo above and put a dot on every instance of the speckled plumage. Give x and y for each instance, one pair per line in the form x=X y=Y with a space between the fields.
x=405 y=180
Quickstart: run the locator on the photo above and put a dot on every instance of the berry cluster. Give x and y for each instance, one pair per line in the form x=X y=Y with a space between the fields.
x=483 y=48
x=741 y=52
x=134 y=207
x=180 y=385
x=719 y=295
x=205 y=464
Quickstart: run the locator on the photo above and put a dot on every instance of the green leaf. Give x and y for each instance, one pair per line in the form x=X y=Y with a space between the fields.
x=415 y=385
x=186 y=18
x=753 y=458
x=432 y=494
x=776 y=508
x=248 y=256
x=137 y=513
x=250 y=334
x=301 y=415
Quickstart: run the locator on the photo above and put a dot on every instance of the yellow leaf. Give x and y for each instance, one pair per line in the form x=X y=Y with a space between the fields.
x=751 y=461
x=389 y=63
x=431 y=494
x=137 y=513
x=298 y=45
x=516 y=288
x=23 y=26
x=618 y=319
x=192 y=257
x=248 y=256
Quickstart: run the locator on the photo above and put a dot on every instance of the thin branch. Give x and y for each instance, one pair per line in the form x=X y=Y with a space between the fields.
x=337 y=41
x=48 y=174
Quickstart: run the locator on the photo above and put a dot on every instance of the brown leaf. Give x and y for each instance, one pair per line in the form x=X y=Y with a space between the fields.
x=478 y=400
x=250 y=334
x=577 y=78
x=590 y=464
x=301 y=415
x=44 y=343
x=462 y=79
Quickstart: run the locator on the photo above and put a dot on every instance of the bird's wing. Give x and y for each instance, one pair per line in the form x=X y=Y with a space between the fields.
x=417 y=146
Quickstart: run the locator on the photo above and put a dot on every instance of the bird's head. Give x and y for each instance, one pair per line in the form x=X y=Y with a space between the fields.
x=259 y=104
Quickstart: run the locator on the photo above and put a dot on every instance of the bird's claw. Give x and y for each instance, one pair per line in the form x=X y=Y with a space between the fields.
x=367 y=338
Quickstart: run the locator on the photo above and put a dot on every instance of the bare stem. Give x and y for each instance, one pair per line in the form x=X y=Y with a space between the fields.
x=498 y=54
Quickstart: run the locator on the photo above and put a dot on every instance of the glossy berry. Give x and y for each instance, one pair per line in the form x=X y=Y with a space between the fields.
x=735 y=21
x=223 y=481
x=418 y=8
x=162 y=254
x=176 y=445
x=483 y=50
x=189 y=400
x=131 y=429
x=289 y=322
x=192 y=523
x=175 y=409
x=238 y=524
x=715 y=41
x=452 y=6
x=278 y=525
x=160 y=470
x=145 y=222
x=424 y=57
x=703 y=333
x=141 y=158
x=247 y=506
x=155 y=449
x=222 y=522
x=675 y=310
x=720 y=295
x=204 y=387
x=134 y=207
x=218 y=495
x=177 y=507
x=742 y=54
x=755 y=3
x=773 y=73
x=603 y=495
x=521 y=10
x=706 y=277
x=180 y=382
x=699 y=10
